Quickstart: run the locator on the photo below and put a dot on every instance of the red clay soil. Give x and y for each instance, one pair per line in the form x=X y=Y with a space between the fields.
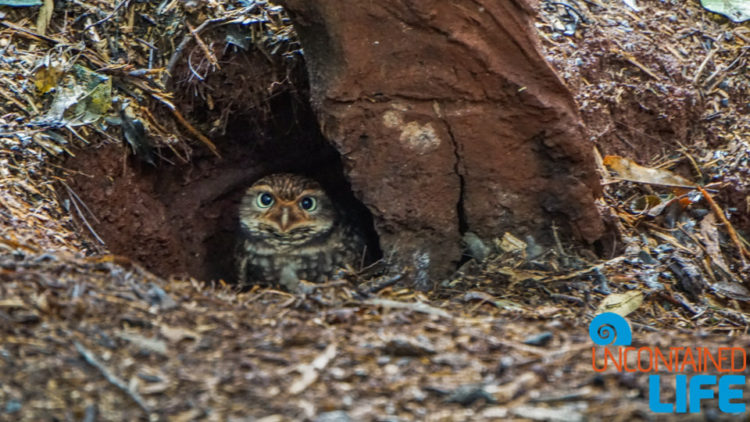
x=449 y=120
x=180 y=219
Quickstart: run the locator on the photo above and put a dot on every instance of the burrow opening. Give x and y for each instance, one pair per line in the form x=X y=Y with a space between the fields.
x=180 y=218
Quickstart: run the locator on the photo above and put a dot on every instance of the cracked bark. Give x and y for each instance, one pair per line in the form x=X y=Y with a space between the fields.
x=448 y=120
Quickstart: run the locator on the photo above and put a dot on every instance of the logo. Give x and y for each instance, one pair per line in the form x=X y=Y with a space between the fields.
x=610 y=329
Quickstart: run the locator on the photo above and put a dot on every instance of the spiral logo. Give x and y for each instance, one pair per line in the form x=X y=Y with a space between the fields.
x=610 y=328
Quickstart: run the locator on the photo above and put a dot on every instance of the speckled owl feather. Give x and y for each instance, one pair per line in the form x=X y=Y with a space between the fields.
x=291 y=231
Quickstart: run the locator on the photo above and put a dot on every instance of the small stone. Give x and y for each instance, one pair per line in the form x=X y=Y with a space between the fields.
x=495 y=413
x=407 y=346
x=362 y=373
x=466 y=395
x=505 y=363
x=335 y=416
x=559 y=414
x=541 y=339
x=474 y=247
x=12 y=406
x=158 y=297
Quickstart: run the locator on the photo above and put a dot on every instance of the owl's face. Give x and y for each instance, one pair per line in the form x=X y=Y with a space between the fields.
x=286 y=209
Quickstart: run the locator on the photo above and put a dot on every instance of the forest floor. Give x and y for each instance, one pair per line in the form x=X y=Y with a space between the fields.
x=85 y=335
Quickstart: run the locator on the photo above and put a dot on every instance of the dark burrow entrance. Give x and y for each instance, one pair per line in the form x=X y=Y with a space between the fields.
x=180 y=219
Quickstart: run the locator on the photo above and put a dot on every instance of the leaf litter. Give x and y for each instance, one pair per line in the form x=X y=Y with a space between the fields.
x=87 y=335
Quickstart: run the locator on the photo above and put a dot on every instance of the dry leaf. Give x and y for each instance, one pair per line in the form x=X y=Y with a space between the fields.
x=711 y=241
x=12 y=302
x=47 y=78
x=621 y=303
x=151 y=344
x=629 y=170
x=177 y=334
x=518 y=275
x=736 y=10
x=510 y=243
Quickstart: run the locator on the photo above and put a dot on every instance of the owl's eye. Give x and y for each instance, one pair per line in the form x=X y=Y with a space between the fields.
x=308 y=203
x=265 y=200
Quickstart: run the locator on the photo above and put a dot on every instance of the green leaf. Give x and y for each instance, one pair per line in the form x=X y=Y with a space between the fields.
x=736 y=10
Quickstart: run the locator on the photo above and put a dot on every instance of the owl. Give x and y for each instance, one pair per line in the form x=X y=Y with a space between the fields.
x=291 y=231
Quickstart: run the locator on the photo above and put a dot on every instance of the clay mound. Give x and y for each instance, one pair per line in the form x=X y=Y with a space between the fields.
x=87 y=335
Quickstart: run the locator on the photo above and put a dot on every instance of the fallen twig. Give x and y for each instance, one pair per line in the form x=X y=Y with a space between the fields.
x=195 y=132
x=112 y=378
x=386 y=282
x=209 y=54
x=732 y=233
x=74 y=199
x=703 y=65
x=186 y=40
x=309 y=373
x=180 y=119
x=12 y=244
x=29 y=32
x=414 y=306
x=108 y=17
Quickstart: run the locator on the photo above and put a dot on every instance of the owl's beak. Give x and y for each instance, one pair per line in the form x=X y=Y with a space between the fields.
x=284 y=218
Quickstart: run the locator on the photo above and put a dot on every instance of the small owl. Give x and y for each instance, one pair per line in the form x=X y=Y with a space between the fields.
x=290 y=231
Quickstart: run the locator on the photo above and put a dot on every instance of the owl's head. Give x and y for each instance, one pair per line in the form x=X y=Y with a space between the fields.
x=286 y=209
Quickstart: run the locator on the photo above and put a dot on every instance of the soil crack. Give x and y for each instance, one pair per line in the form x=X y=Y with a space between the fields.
x=458 y=168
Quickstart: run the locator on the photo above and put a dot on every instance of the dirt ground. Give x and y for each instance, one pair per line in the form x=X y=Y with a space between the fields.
x=85 y=335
